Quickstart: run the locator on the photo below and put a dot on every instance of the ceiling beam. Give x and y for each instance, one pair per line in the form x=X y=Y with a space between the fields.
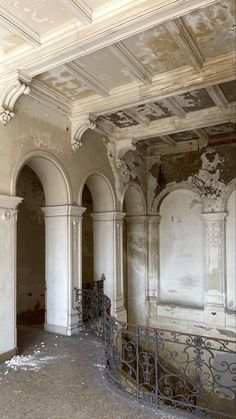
x=202 y=135
x=81 y=9
x=217 y=96
x=87 y=79
x=186 y=42
x=74 y=43
x=120 y=50
x=141 y=119
x=194 y=120
x=168 y=140
x=174 y=107
x=18 y=27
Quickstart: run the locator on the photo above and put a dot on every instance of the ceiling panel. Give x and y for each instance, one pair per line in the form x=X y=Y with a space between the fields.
x=120 y=119
x=222 y=130
x=9 y=42
x=229 y=90
x=107 y=68
x=40 y=15
x=195 y=101
x=156 y=50
x=153 y=111
x=214 y=28
x=63 y=82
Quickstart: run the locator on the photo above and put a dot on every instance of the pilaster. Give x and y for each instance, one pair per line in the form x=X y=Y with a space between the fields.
x=214 y=231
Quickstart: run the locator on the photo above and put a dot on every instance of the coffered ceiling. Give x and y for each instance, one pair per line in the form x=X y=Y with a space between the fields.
x=160 y=72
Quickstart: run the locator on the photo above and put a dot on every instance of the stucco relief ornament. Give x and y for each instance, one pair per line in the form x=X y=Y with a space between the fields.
x=5 y=116
x=75 y=234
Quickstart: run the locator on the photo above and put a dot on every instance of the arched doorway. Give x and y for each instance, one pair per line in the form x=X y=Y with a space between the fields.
x=43 y=244
x=30 y=250
x=135 y=253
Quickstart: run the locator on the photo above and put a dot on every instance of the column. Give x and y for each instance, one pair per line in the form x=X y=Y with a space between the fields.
x=8 y=245
x=153 y=277
x=137 y=229
x=63 y=266
x=214 y=268
x=108 y=257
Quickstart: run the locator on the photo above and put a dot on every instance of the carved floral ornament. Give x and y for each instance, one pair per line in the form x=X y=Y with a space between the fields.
x=8 y=100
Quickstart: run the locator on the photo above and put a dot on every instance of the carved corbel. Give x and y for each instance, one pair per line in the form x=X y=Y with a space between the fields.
x=9 y=98
x=80 y=130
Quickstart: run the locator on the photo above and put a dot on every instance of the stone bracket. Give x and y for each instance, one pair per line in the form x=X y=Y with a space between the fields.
x=8 y=100
x=78 y=132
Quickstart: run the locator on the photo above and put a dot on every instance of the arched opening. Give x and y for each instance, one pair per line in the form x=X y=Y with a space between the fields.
x=30 y=250
x=231 y=251
x=135 y=253
x=97 y=232
x=43 y=274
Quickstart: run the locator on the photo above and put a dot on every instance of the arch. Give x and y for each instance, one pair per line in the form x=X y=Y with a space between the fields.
x=101 y=191
x=227 y=192
x=52 y=175
x=171 y=188
x=134 y=199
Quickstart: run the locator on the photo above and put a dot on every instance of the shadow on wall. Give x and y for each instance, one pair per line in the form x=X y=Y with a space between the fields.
x=30 y=250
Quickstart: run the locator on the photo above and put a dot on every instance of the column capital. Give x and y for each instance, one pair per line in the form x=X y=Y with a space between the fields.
x=136 y=219
x=154 y=218
x=213 y=216
x=10 y=202
x=63 y=210
x=108 y=216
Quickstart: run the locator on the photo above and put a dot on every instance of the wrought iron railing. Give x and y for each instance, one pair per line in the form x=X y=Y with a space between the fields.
x=163 y=367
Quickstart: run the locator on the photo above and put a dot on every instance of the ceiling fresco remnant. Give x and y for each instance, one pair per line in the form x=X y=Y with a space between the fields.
x=153 y=111
x=120 y=119
x=214 y=28
x=156 y=50
x=196 y=100
x=60 y=80
x=222 y=130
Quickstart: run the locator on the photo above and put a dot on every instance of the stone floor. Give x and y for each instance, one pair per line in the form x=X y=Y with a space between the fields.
x=64 y=378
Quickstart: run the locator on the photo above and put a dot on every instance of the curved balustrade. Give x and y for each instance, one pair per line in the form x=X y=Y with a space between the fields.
x=163 y=367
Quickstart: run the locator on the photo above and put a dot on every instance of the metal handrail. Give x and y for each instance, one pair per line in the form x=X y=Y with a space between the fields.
x=164 y=367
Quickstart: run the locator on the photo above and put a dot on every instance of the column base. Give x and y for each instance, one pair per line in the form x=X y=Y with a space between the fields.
x=120 y=314
x=60 y=330
x=8 y=355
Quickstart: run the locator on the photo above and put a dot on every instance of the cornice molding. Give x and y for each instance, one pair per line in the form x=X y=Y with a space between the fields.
x=186 y=42
x=20 y=28
x=8 y=100
x=89 y=80
x=51 y=98
x=127 y=58
x=168 y=140
x=172 y=104
x=141 y=119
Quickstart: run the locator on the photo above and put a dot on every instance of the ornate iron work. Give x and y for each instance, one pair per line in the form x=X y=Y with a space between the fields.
x=194 y=373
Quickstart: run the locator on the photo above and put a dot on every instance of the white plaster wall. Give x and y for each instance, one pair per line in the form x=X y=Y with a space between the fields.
x=181 y=271
x=231 y=251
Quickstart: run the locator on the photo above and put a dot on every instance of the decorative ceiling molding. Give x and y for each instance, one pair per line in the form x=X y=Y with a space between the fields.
x=104 y=127
x=81 y=10
x=76 y=142
x=215 y=71
x=18 y=27
x=8 y=100
x=217 y=96
x=138 y=117
x=120 y=50
x=89 y=80
x=202 y=135
x=174 y=107
x=123 y=146
x=168 y=140
x=95 y=36
x=186 y=42
x=173 y=124
x=50 y=97
x=156 y=151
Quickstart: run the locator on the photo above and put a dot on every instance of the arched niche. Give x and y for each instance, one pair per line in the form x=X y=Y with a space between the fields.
x=181 y=254
x=231 y=248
